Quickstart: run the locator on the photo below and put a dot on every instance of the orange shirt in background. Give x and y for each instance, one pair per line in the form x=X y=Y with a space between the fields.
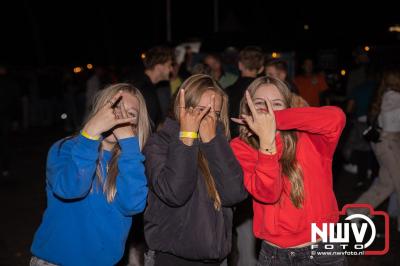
x=310 y=87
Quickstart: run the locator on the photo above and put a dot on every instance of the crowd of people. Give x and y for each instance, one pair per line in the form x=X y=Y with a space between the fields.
x=219 y=167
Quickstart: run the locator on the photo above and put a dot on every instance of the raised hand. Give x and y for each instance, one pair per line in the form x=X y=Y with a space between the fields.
x=262 y=123
x=189 y=118
x=126 y=130
x=105 y=119
x=208 y=125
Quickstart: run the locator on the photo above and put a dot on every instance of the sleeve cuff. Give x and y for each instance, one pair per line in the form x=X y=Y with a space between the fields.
x=267 y=162
x=211 y=143
x=130 y=145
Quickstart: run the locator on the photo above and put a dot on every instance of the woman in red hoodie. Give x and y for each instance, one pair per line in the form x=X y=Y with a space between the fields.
x=286 y=155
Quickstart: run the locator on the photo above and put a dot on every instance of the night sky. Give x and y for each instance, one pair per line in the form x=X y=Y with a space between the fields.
x=115 y=32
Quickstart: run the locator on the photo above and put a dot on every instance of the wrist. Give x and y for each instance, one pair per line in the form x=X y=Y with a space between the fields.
x=91 y=131
x=207 y=139
x=268 y=147
x=89 y=135
x=123 y=134
x=188 y=134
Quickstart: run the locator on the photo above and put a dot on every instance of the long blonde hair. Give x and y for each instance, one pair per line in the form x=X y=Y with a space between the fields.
x=194 y=88
x=288 y=161
x=143 y=132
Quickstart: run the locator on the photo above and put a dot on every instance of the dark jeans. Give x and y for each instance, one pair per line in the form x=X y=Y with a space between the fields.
x=165 y=259
x=270 y=255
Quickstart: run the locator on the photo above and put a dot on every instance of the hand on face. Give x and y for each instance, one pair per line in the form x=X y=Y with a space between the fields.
x=105 y=119
x=261 y=121
x=189 y=118
x=126 y=130
x=208 y=125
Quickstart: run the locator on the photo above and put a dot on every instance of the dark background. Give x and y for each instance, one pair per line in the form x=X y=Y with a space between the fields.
x=115 y=32
x=37 y=34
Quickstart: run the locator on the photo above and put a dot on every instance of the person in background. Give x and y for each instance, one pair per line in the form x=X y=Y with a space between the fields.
x=310 y=84
x=194 y=180
x=158 y=67
x=286 y=155
x=358 y=71
x=251 y=64
x=386 y=112
x=214 y=62
x=175 y=81
x=277 y=68
x=356 y=149
x=95 y=183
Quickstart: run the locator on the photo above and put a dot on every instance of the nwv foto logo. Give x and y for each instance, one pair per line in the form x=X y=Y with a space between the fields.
x=357 y=227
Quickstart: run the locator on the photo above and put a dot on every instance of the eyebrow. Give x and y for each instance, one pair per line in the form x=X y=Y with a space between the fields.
x=274 y=100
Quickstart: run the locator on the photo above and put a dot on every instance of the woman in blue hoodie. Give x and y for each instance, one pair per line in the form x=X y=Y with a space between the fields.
x=95 y=183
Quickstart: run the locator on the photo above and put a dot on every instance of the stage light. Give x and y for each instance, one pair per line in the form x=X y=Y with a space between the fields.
x=343 y=72
x=89 y=66
x=306 y=27
x=143 y=56
x=275 y=55
x=395 y=28
x=64 y=116
x=77 y=70
x=367 y=48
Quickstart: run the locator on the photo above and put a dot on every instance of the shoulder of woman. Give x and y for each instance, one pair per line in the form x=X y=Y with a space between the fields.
x=64 y=144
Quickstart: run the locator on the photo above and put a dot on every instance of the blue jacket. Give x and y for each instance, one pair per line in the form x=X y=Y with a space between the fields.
x=79 y=226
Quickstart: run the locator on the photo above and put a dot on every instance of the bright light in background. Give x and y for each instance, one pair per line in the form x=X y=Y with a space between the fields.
x=395 y=28
x=306 y=27
x=64 y=116
x=77 y=70
x=343 y=72
x=275 y=55
x=367 y=48
x=143 y=56
x=89 y=66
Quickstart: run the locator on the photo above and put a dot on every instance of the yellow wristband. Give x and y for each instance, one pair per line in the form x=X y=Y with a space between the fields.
x=187 y=134
x=86 y=135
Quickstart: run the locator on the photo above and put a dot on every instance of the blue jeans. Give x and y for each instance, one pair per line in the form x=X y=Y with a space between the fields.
x=270 y=255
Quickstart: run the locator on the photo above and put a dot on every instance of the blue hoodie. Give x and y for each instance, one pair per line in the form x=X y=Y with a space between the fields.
x=79 y=226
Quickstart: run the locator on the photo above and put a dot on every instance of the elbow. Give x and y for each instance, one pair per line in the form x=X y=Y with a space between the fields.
x=234 y=197
x=73 y=194
x=177 y=199
x=135 y=206
x=171 y=197
x=267 y=198
x=174 y=193
x=338 y=117
x=268 y=194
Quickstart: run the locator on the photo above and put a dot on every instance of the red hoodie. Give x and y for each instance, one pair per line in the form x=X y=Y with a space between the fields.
x=276 y=219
